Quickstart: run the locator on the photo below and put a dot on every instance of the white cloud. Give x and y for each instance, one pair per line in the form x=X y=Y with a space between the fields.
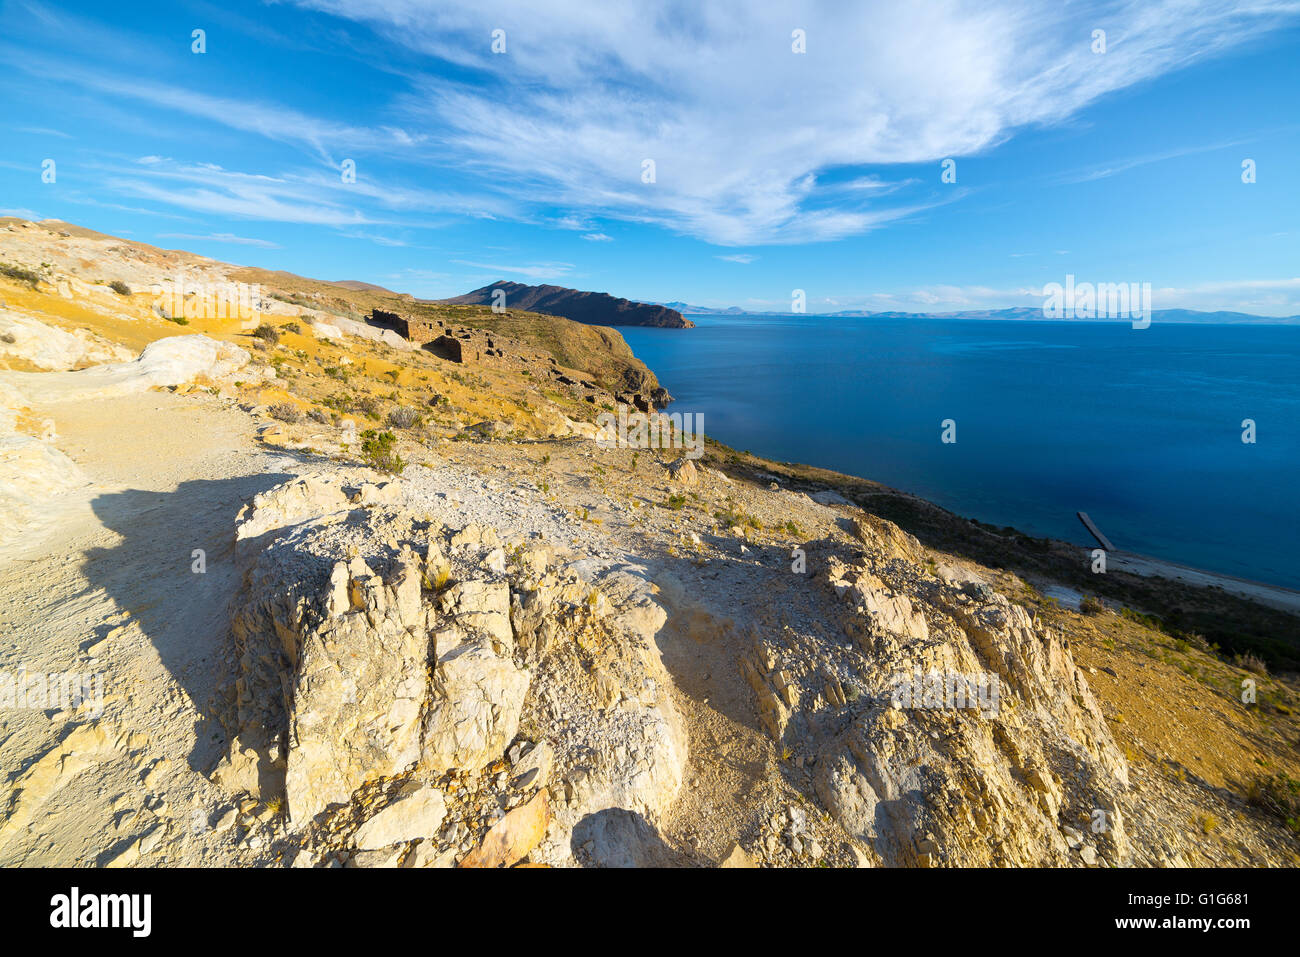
x=378 y=239
x=324 y=137
x=1264 y=297
x=309 y=196
x=532 y=271
x=597 y=238
x=743 y=258
x=740 y=127
x=222 y=238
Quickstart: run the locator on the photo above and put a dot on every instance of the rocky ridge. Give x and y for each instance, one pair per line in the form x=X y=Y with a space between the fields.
x=376 y=644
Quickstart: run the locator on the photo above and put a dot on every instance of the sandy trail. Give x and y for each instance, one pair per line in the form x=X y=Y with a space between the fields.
x=110 y=592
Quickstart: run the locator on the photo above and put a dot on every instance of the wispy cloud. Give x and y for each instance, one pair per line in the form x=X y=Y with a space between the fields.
x=1133 y=162
x=222 y=238
x=586 y=94
x=743 y=258
x=301 y=196
x=597 y=238
x=532 y=270
x=44 y=131
x=331 y=141
x=378 y=239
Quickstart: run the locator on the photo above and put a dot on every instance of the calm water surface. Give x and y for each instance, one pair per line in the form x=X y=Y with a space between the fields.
x=1141 y=428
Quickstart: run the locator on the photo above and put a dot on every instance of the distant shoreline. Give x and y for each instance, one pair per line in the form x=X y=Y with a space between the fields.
x=1275 y=596
x=963 y=317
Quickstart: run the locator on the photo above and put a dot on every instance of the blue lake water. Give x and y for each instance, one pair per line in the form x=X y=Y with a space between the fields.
x=1140 y=428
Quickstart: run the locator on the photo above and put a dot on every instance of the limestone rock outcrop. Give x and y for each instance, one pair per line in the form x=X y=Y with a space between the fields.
x=949 y=727
x=374 y=644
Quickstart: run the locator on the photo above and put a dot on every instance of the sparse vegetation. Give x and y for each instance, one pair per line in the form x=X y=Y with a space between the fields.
x=267 y=333
x=1280 y=796
x=404 y=418
x=20 y=274
x=1250 y=662
x=285 y=412
x=378 y=449
x=1091 y=605
x=119 y=287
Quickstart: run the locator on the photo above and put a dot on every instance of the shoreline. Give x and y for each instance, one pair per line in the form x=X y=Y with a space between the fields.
x=1279 y=597
x=1275 y=596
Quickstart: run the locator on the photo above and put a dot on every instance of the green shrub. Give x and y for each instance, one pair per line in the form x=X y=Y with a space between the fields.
x=267 y=333
x=377 y=449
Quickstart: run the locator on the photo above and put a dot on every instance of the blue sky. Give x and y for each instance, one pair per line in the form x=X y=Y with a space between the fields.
x=774 y=170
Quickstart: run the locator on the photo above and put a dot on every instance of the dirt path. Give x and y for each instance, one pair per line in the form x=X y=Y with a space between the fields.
x=111 y=593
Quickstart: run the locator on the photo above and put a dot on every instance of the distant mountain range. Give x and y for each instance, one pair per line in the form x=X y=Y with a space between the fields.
x=686 y=309
x=1015 y=312
x=593 y=308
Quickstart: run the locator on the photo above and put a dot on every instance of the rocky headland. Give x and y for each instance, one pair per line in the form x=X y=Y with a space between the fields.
x=354 y=601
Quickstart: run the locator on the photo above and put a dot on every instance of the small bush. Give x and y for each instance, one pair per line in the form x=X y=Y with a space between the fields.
x=377 y=448
x=7 y=337
x=291 y=327
x=20 y=274
x=285 y=412
x=1280 y=796
x=1250 y=662
x=267 y=333
x=367 y=405
x=1091 y=605
x=119 y=287
x=441 y=576
x=316 y=415
x=404 y=418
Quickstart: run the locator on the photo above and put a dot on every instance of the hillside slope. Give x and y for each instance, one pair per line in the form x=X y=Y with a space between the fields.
x=435 y=619
x=596 y=308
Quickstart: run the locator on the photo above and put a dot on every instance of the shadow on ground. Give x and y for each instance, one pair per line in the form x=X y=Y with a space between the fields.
x=617 y=837
x=181 y=603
